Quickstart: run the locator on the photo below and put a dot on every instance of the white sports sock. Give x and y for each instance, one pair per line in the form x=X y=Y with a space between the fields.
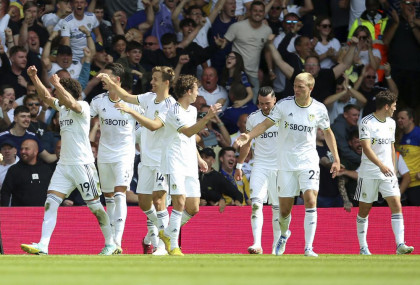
x=50 y=218
x=362 y=227
x=397 y=222
x=110 y=210
x=311 y=217
x=257 y=221
x=173 y=228
x=120 y=215
x=185 y=217
x=98 y=210
x=152 y=231
x=162 y=219
x=284 y=224
x=276 y=225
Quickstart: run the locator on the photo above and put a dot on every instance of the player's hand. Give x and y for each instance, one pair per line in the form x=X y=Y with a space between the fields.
x=241 y=140
x=386 y=171
x=214 y=109
x=31 y=71
x=55 y=80
x=335 y=168
x=222 y=205
x=202 y=165
x=122 y=107
x=347 y=206
x=106 y=80
x=238 y=174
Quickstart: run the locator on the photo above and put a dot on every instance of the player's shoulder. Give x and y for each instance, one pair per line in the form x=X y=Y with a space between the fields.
x=98 y=97
x=369 y=119
x=69 y=18
x=89 y=14
x=255 y=114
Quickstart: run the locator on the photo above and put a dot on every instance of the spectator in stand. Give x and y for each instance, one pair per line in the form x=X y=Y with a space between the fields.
x=345 y=94
x=211 y=91
x=63 y=9
x=327 y=46
x=273 y=19
x=342 y=127
x=8 y=104
x=52 y=135
x=27 y=181
x=231 y=115
x=36 y=126
x=75 y=37
x=8 y=151
x=227 y=161
x=151 y=43
x=402 y=35
x=30 y=23
x=105 y=27
x=409 y=147
x=249 y=38
x=367 y=54
x=215 y=132
x=214 y=186
x=234 y=72
x=119 y=45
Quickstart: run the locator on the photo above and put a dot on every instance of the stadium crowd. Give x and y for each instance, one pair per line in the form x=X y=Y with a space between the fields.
x=354 y=49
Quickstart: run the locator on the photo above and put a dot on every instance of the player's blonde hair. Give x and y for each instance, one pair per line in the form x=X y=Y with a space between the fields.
x=167 y=73
x=307 y=78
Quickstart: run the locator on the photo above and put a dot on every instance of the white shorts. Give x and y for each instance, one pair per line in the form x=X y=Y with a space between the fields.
x=291 y=183
x=115 y=174
x=83 y=177
x=184 y=185
x=150 y=179
x=367 y=189
x=263 y=181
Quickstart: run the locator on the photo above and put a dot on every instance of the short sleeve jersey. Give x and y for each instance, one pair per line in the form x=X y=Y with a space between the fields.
x=151 y=141
x=381 y=135
x=263 y=149
x=74 y=131
x=297 y=133
x=117 y=142
x=179 y=156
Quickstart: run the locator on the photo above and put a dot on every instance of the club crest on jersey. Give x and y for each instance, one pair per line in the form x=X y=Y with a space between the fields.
x=364 y=195
x=173 y=186
x=156 y=113
x=89 y=25
x=311 y=117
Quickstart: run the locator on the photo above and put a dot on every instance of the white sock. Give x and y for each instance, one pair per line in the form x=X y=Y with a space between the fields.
x=257 y=221
x=152 y=231
x=284 y=224
x=50 y=218
x=397 y=222
x=173 y=228
x=120 y=215
x=185 y=217
x=310 y=222
x=98 y=210
x=162 y=219
x=362 y=227
x=110 y=209
x=276 y=225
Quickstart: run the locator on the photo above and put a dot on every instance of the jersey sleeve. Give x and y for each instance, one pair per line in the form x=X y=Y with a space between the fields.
x=93 y=108
x=324 y=119
x=142 y=100
x=64 y=28
x=163 y=112
x=364 y=132
x=275 y=113
x=248 y=125
x=393 y=131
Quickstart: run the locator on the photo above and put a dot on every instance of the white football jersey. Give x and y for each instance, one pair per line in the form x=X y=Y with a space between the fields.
x=152 y=141
x=117 y=142
x=179 y=155
x=381 y=135
x=265 y=144
x=296 y=147
x=69 y=27
x=74 y=131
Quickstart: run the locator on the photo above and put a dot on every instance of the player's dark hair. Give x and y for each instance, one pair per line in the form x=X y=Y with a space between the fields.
x=266 y=91
x=183 y=84
x=116 y=68
x=72 y=86
x=385 y=97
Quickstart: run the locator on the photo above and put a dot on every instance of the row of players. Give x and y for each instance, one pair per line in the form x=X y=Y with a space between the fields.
x=170 y=159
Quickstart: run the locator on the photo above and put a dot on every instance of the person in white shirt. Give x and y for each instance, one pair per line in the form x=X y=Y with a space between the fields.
x=75 y=168
x=153 y=187
x=115 y=156
x=298 y=116
x=8 y=152
x=264 y=172
x=180 y=159
x=51 y=19
x=377 y=171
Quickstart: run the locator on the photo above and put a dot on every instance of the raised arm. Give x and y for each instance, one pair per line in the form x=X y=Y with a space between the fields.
x=112 y=87
x=64 y=97
x=258 y=130
x=286 y=68
x=46 y=62
x=348 y=59
x=152 y=125
x=175 y=14
x=192 y=130
x=217 y=9
x=307 y=7
x=41 y=90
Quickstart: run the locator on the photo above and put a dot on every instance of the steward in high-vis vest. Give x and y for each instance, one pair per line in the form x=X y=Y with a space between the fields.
x=375 y=20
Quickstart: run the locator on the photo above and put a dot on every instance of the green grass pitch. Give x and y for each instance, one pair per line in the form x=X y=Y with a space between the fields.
x=210 y=269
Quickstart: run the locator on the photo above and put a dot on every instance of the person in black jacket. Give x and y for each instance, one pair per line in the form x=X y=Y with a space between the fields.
x=213 y=185
x=27 y=181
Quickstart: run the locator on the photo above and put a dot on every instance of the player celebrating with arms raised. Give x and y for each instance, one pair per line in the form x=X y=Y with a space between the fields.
x=76 y=168
x=299 y=117
x=377 y=170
